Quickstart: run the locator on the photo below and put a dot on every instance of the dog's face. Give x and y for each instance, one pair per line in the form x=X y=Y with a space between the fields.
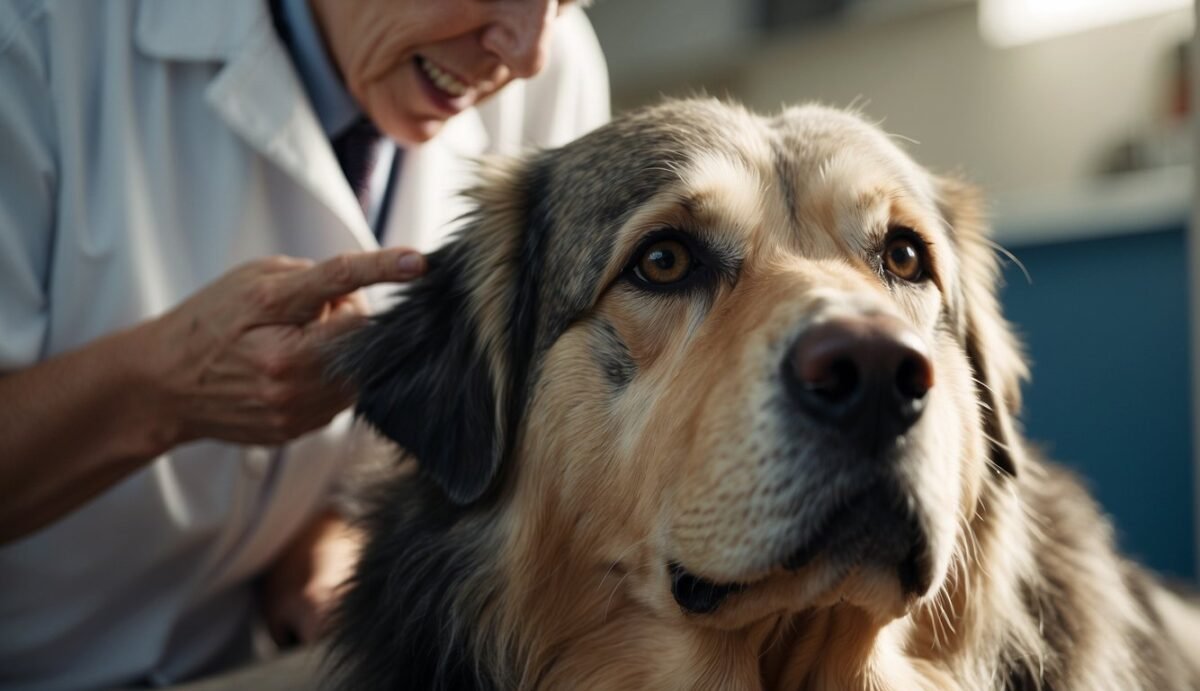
x=729 y=365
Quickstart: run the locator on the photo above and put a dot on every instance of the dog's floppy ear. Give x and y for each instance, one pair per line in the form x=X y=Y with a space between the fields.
x=435 y=373
x=993 y=349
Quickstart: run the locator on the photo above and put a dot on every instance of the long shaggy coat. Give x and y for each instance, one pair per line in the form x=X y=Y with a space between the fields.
x=655 y=453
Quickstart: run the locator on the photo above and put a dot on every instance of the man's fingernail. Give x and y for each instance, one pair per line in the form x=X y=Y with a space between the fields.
x=412 y=263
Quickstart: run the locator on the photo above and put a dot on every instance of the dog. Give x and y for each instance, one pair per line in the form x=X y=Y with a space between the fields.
x=713 y=400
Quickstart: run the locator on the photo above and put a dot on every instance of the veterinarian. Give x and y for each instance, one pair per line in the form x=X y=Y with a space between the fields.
x=192 y=196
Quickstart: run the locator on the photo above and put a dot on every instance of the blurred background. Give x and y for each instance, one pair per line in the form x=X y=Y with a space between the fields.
x=1074 y=116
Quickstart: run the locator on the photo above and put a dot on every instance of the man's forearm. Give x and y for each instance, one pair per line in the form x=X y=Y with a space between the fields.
x=71 y=427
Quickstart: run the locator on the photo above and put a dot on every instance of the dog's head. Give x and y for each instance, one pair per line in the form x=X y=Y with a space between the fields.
x=751 y=364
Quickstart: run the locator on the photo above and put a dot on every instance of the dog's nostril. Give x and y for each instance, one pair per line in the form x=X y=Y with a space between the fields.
x=914 y=377
x=836 y=382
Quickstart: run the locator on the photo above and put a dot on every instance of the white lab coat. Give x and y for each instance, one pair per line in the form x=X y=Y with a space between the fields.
x=146 y=147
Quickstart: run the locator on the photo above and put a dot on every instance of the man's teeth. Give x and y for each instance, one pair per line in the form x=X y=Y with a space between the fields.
x=444 y=81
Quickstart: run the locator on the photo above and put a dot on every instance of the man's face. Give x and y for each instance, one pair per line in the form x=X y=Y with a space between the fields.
x=414 y=64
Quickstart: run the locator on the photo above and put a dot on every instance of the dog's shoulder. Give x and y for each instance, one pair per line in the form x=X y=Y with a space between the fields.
x=406 y=622
x=1093 y=607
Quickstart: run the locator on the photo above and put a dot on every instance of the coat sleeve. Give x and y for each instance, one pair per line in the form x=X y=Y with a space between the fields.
x=28 y=184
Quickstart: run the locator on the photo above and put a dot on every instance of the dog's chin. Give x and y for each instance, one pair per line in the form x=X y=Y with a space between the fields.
x=871 y=551
x=822 y=584
x=876 y=530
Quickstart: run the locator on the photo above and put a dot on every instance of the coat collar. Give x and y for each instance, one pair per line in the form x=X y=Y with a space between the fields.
x=259 y=95
x=256 y=92
x=206 y=31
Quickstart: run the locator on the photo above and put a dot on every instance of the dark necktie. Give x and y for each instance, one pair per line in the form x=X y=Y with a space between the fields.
x=357 y=150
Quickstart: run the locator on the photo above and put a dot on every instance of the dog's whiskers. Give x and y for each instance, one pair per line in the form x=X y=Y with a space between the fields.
x=969 y=531
x=1011 y=257
x=858 y=104
x=612 y=567
x=984 y=385
x=611 y=595
x=996 y=442
x=617 y=562
x=903 y=138
x=785 y=626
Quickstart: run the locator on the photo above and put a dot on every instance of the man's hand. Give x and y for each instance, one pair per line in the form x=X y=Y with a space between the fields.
x=302 y=587
x=244 y=359
x=241 y=360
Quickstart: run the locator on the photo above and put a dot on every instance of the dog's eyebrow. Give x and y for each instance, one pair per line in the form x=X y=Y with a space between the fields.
x=900 y=204
x=692 y=213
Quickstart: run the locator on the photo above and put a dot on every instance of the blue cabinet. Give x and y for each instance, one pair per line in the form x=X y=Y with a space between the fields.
x=1106 y=322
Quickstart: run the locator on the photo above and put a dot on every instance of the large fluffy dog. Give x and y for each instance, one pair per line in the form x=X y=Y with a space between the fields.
x=708 y=400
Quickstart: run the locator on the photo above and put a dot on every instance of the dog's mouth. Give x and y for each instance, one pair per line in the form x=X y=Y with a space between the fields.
x=874 y=529
x=698 y=595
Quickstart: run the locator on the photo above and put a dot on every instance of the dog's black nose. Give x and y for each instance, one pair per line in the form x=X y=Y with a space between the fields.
x=867 y=375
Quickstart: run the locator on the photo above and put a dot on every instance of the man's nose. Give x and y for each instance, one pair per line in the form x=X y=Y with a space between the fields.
x=866 y=375
x=520 y=34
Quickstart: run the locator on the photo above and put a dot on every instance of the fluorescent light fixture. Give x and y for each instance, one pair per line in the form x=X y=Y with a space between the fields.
x=1014 y=22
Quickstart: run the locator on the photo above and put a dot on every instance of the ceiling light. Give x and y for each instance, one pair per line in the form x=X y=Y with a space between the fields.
x=1014 y=22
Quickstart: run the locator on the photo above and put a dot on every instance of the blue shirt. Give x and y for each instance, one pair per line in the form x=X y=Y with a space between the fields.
x=335 y=107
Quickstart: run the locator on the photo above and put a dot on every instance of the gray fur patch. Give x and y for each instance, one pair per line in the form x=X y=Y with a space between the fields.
x=612 y=356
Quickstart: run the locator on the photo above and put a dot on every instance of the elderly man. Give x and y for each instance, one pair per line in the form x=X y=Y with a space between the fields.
x=192 y=196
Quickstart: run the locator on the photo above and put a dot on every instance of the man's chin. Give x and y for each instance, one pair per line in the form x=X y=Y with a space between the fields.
x=405 y=127
x=424 y=130
x=411 y=130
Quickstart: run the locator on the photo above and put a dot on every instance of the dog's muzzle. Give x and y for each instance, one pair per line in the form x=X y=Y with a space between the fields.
x=863 y=381
x=866 y=379
x=876 y=528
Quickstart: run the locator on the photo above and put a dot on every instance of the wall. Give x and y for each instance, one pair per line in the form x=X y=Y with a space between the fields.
x=1015 y=118
x=1011 y=119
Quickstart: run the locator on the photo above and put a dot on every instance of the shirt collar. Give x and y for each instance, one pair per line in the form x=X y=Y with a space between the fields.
x=336 y=109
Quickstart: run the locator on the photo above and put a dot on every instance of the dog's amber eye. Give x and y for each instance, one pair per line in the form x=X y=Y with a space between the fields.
x=664 y=262
x=902 y=258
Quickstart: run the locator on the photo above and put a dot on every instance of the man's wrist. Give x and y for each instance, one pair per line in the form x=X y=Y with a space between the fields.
x=139 y=379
